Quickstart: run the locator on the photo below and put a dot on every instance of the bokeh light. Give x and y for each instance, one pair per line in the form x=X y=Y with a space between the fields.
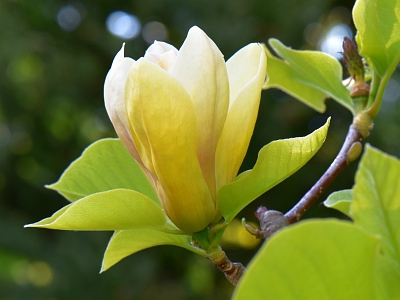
x=69 y=17
x=123 y=25
x=154 y=31
x=38 y=273
x=331 y=43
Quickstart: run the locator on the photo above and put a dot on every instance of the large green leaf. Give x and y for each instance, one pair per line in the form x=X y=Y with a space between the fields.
x=310 y=76
x=126 y=242
x=340 y=200
x=378 y=37
x=376 y=204
x=387 y=278
x=318 y=259
x=111 y=210
x=276 y=161
x=104 y=165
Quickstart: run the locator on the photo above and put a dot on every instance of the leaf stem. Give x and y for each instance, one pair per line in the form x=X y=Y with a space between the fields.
x=341 y=161
x=376 y=105
x=375 y=81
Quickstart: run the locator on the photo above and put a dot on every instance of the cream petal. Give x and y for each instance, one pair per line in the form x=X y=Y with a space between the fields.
x=157 y=49
x=162 y=54
x=161 y=114
x=114 y=97
x=246 y=71
x=200 y=68
x=114 y=90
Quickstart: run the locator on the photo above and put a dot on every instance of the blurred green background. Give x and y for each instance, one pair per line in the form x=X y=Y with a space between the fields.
x=54 y=56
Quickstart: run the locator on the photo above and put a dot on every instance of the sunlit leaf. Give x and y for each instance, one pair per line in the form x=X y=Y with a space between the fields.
x=376 y=205
x=386 y=279
x=378 y=37
x=276 y=161
x=104 y=165
x=126 y=242
x=318 y=259
x=310 y=76
x=340 y=200
x=111 y=210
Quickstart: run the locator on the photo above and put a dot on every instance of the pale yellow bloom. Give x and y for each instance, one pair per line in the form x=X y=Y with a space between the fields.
x=187 y=118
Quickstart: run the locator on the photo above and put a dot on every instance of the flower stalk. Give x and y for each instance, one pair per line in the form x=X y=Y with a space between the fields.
x=233 y=271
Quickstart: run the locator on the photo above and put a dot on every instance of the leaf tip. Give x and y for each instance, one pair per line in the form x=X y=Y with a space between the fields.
x=33 y=225
x=105 y=266
x=51 y=186
x=329 y=120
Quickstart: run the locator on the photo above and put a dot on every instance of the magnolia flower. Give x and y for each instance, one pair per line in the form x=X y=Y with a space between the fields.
x=187 y=118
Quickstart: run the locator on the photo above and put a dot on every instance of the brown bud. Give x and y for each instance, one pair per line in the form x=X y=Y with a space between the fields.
x=352 y=59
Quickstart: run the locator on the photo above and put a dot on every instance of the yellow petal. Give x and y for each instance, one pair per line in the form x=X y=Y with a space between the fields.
x=162 y=117
x=200 y=68
x=246 y=71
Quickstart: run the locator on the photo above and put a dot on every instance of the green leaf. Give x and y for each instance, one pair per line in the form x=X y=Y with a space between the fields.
x=310 y=76
x=340 y=200
x=276 y=161
x=387 y=278
x=317 y=259
x=111 y=210
x=104 y=165
x=378 y=37
x=376 y=205
x=126 y=242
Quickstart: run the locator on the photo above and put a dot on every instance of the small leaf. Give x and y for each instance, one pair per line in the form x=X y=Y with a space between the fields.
x=276 y=161
x=104 y=165
x=310 y=76
x=317 y=259
x=340 y=200
x=376 y=205
x=126 y=242
x=111 y=210
x=378 y=37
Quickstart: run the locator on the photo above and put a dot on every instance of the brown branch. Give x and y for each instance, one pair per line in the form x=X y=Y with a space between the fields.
x=341 y=161
x=271 y=221
x=233 y=271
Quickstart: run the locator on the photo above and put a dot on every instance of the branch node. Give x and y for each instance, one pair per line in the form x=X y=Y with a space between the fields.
x=233 y=271
x=271 y=221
